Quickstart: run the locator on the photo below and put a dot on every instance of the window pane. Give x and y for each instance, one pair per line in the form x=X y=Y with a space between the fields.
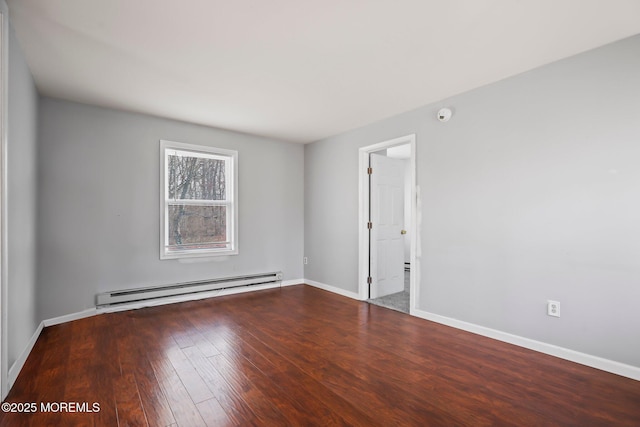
x=196 y=178
x=197 y=227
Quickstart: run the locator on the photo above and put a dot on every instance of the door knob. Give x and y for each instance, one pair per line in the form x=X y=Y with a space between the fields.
x=403 y=232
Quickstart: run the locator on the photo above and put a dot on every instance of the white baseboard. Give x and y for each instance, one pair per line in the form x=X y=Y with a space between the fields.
x=333 y=289
x=17 y=366
x=70 y=317
x=553 y=350
x=20 y=361
x=292 y=282
x=614 y=367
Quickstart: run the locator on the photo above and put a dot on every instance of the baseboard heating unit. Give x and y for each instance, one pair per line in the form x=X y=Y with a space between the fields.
x=156 y=292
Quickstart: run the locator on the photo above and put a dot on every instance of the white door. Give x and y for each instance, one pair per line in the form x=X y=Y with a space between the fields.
x=386 y=258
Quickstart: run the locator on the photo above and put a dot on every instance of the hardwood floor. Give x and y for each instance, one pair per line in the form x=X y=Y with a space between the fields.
x=299 y=356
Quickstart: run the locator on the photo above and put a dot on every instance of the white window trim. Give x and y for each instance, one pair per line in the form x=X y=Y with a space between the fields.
x=201 y=151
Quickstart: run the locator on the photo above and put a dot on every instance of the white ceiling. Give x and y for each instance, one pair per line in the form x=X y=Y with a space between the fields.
x=298 y=70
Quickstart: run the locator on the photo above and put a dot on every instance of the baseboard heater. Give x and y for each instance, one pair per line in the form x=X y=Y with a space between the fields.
x=156 y=292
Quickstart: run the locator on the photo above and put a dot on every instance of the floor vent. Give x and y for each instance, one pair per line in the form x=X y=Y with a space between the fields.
x=155 y=292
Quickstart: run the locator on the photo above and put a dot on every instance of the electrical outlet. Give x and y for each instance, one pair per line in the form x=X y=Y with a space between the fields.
x=305 y=260
x=553 y=308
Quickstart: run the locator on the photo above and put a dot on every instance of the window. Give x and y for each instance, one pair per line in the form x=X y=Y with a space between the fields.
x=199 y=212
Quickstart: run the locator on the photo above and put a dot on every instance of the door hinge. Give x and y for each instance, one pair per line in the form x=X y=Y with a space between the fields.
x=369 y=280
x=369 y=225
x=369 y=171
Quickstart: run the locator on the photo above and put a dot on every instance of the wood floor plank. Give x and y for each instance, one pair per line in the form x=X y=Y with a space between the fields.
x=312 y=356
x=183 y=408
x=129 y=407
x=213 y=413
x=261 y=404
x=78 y=381
x=327 y=407
x=401 y=406
x=487 y=400
x=371 y=359
x=107 y=369
x=194 y=384
x=128 y=403
x=154 y=332
x=302 y=356
x=281 y=393
x=133 y=358
x=517 y=391
x=262 y=409
x=282 y=396
x=236 y=408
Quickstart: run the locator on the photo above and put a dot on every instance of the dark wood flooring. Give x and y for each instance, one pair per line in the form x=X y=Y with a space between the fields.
x=299 y=356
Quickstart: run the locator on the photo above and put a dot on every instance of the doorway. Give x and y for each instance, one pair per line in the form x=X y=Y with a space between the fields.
x=4 y=54
x=388 y=212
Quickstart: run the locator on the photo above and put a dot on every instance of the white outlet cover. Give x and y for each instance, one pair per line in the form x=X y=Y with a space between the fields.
x=553 y=308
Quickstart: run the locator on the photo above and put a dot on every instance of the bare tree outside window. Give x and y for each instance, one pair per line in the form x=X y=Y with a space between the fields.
x=196 y=178
x=198 y=201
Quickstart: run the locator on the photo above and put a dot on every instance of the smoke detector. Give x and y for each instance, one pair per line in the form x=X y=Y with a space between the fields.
x=444 y=114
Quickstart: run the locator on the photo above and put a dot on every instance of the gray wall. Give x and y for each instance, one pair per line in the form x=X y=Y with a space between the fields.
x=21 y=202
x=99 y=204
x=529 y=193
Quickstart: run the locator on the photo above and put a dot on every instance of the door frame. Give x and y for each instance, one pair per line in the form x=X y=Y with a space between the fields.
x=4 y=87
x=363 y=217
